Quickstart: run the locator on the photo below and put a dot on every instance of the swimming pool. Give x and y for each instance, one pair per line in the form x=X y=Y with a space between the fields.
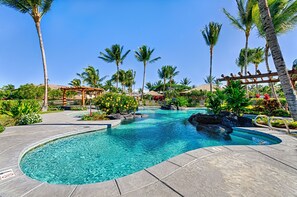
x=116 y=152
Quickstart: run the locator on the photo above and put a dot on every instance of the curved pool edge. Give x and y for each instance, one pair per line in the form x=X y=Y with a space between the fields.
x=143 y=179
x=113 y=123
x=178 y=161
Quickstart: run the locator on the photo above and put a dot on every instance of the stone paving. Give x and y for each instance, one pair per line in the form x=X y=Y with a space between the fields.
x=213 y=171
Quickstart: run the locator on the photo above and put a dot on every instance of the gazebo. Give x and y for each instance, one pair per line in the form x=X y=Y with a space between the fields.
x=83 y=91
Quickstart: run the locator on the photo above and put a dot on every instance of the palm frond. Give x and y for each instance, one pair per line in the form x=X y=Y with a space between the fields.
x=233 y=20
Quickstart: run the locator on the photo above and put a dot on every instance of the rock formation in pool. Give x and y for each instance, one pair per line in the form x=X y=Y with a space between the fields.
x=219 y=126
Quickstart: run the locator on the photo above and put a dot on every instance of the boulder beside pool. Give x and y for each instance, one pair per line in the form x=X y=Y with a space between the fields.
x=219 y=126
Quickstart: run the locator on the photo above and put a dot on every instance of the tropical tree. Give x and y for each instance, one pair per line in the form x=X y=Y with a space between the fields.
x=172 y=72
x=91 y=77
x=185 y=81
x=163 y=74
x=283 y=14
x=122 y=79
x=36 y=9
x=243 y=22
x=211 y=35
x=130 y=79
x=257 y=57
x=278 y=59
x=210 y=79
x=108 y=86
x=75 y=83
x=114 y=54
x=144 y=54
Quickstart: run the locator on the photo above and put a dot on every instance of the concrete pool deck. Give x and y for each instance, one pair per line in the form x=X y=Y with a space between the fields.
x=213 y=171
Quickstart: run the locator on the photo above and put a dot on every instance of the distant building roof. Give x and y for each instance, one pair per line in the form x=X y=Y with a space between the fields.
x=153 y=93
x=203 y=87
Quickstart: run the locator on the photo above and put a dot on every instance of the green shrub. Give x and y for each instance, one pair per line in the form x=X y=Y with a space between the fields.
x=293 y=125
x=280 y=112
x=31 y=118
x=95 y=116
x=17 y=108
x=116 y=103
x=215 y=101
x=180 y=101
x=270 y=106
x=2 y=128
x=236 y=99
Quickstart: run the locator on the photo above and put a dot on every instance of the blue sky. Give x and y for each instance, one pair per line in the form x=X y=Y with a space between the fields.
x=75 y=31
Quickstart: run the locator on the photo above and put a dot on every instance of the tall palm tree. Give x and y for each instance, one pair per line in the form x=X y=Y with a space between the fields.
x=243 y=22
x=91 y=77
x=172 y=72
x=75 y=82
x=36 y=9
x=283 y=14
x=185 y=81
x=144 y=54
x=114 y=54
x=278 y=59
x=163 y=74
x=211 y=35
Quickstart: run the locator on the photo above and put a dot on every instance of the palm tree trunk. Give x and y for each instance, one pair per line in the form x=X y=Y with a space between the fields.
x=45 y=101
x=164 y=87
x=246 y=58
x=210 y=69
x=256 y=69
x=118 y=71
x=278 y=58
x=274 y=95
x=144 y=67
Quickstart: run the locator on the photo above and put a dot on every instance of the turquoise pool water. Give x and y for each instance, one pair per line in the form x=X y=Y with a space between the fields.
x=105 y=155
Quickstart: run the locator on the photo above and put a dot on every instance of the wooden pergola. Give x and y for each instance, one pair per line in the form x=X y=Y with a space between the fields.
x=83 y=90
x=270 y=77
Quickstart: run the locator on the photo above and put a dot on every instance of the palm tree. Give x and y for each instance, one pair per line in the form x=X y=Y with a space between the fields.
x=75 y=82
x=257 y=57
x=283 y=14
x=185 y=81
x=278 y=59
x=91 y=77
x=172 y=72
x=144 y=54
x=122 y=79
x=114 y=54
x=240 y=61
x=164 y=74
x=243 y=22
x=211 y=35
x=209 y=79
x=36 y=9
x=130 y=80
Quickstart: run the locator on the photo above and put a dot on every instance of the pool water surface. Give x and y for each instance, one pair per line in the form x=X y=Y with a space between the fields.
x=133 y=146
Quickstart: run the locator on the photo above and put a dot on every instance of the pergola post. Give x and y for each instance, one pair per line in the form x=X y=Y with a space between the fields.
x=83 y=97
x=64 y=98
